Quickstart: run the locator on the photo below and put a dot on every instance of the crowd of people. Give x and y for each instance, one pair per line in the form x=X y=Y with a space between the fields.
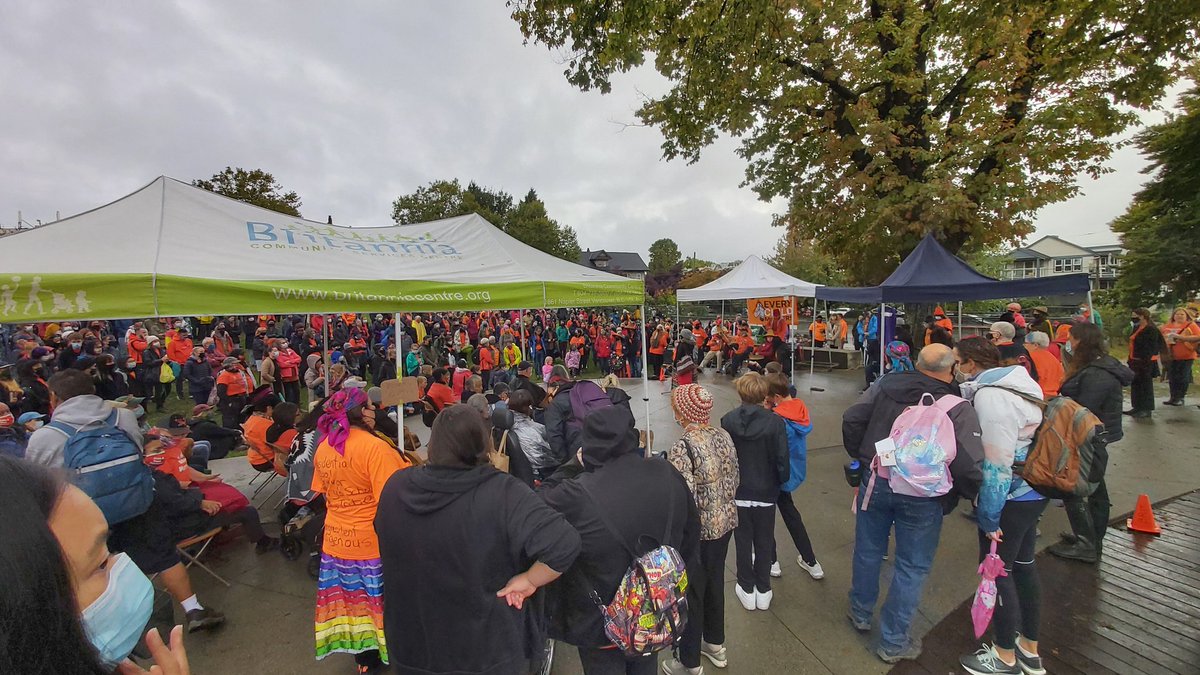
x=537 y=492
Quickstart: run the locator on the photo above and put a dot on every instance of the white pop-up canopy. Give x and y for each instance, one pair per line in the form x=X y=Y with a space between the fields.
x=172 y=249
x=753 y=278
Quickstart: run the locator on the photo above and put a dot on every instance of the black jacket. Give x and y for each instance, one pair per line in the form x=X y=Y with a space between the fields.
x=534 y=390
x=198 y=374
x=221 y=440
x=1148 y=344
x=181 y=506
x=149 y=370
x=449 y=539
x=1097 y=387
x=760 y=437
x=870 y=420
x=564 y=440
x=635 y=495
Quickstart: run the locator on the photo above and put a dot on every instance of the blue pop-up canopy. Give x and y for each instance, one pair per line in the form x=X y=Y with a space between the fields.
x=932 y=274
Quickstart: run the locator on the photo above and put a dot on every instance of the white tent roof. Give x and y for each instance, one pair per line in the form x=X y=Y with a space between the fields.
x=753 y=278
x=173 y=249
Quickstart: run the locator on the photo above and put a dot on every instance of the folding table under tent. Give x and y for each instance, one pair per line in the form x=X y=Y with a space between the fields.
x=931 y=274
x=172 y=249
x=753 y=278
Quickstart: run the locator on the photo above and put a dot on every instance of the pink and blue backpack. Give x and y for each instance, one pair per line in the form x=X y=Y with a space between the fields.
x=925 y=445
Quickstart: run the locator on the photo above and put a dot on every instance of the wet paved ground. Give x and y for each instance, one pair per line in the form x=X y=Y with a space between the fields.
x=270 y=604
x=1138 y=611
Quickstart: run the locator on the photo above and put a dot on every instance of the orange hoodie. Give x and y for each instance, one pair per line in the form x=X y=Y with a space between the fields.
x=793 y=409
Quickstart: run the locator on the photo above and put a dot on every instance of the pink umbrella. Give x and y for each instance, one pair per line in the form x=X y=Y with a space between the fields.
x=990 y=569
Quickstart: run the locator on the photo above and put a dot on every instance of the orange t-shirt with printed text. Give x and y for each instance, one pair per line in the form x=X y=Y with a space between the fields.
x=351 y=483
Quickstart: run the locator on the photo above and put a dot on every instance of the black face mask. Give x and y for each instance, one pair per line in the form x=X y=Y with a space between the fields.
x=1134 y=320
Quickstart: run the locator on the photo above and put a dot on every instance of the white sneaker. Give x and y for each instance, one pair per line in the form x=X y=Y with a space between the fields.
x=674 y=667
x=747 y=599
x=715 y=653
x=776 y=570
x=813 y=570
x=763 y=600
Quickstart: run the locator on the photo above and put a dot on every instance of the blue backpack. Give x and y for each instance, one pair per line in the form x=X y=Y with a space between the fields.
x=107 y=466
x=12 y=443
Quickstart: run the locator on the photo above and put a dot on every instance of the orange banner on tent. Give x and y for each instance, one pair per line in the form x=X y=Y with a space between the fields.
x=773 y=314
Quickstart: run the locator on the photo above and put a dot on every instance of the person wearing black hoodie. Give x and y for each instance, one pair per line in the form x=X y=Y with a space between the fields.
x=1095 y=381
x=642 y=500
x=763 y=466
x=464 y=547
x=561 y=434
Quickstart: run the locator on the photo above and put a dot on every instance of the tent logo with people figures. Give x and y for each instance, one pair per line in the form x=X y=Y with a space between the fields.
x=34 y=293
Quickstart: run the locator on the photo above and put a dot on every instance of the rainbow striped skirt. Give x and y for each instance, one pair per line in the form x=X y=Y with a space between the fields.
x=350 y=607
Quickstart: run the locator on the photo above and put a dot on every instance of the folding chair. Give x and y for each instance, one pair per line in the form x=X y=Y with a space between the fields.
x=203 y=541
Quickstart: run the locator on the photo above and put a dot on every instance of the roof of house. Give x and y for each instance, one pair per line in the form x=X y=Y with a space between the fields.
x=1029 y=252
x=617 y=260
x=1026 y=254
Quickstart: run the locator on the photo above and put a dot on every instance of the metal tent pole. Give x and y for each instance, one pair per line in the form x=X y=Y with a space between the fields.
x=812 y=355
x=880 y=333
x=645 y=381
x=1091 y=310
x=524 y=346
x=960 y=320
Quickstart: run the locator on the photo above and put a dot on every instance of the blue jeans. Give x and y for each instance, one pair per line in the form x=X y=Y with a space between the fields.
x=200 y=454
x=918 y=524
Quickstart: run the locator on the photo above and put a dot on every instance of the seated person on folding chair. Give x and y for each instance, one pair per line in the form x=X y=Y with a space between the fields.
x=186 y=493
x=146 y=538
x=254 y=429
x=281 y=433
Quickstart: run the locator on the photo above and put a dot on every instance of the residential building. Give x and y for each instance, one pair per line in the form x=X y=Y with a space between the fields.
x=1051 y=255
x=623 y=263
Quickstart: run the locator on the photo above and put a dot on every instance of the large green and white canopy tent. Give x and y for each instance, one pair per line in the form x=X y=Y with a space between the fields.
x=171 y=249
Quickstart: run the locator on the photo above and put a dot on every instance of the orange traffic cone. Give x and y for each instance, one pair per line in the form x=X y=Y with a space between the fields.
x=1143 y=518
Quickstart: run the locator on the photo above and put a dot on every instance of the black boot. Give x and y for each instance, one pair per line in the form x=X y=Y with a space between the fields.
x=1082 y=550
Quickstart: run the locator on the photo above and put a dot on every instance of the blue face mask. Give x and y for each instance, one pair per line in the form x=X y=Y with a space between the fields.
x=115 y=621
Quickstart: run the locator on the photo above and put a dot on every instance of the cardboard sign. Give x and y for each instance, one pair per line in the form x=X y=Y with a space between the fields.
x=398 y=392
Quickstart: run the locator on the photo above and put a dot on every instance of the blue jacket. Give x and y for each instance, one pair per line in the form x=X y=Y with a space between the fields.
x=796 y=419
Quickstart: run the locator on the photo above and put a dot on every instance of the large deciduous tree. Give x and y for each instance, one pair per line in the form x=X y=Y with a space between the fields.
x=526 y=220
x=1161 y=229
x=253 y=186
x=882 y=120
x=664 y=255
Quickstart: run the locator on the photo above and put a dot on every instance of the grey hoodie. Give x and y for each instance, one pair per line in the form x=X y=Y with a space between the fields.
x=46 y=444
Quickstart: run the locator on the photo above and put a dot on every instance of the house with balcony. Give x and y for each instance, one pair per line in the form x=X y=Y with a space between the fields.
x=626 y=264
x=1051 y=255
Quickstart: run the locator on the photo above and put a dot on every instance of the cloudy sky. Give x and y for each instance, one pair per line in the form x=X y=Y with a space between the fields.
x=353 y=104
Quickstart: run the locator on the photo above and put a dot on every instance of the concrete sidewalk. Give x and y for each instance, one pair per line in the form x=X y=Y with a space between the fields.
x=270 y=605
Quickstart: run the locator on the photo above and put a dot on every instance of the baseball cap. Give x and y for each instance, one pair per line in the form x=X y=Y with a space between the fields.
x=28 y=417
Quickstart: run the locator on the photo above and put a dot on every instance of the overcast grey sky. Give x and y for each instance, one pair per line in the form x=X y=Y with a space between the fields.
x=353 y=104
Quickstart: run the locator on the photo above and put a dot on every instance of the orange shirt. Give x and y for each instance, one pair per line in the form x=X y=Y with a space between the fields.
x=1050 y=371
x=351 y=483
x=660 y=346
x=1182 y=351
x=441 y=396
x=744 y=343
x=716 y=344
x=236 y=384
x=254 y=429
x=167 y=457
x=818 y=331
